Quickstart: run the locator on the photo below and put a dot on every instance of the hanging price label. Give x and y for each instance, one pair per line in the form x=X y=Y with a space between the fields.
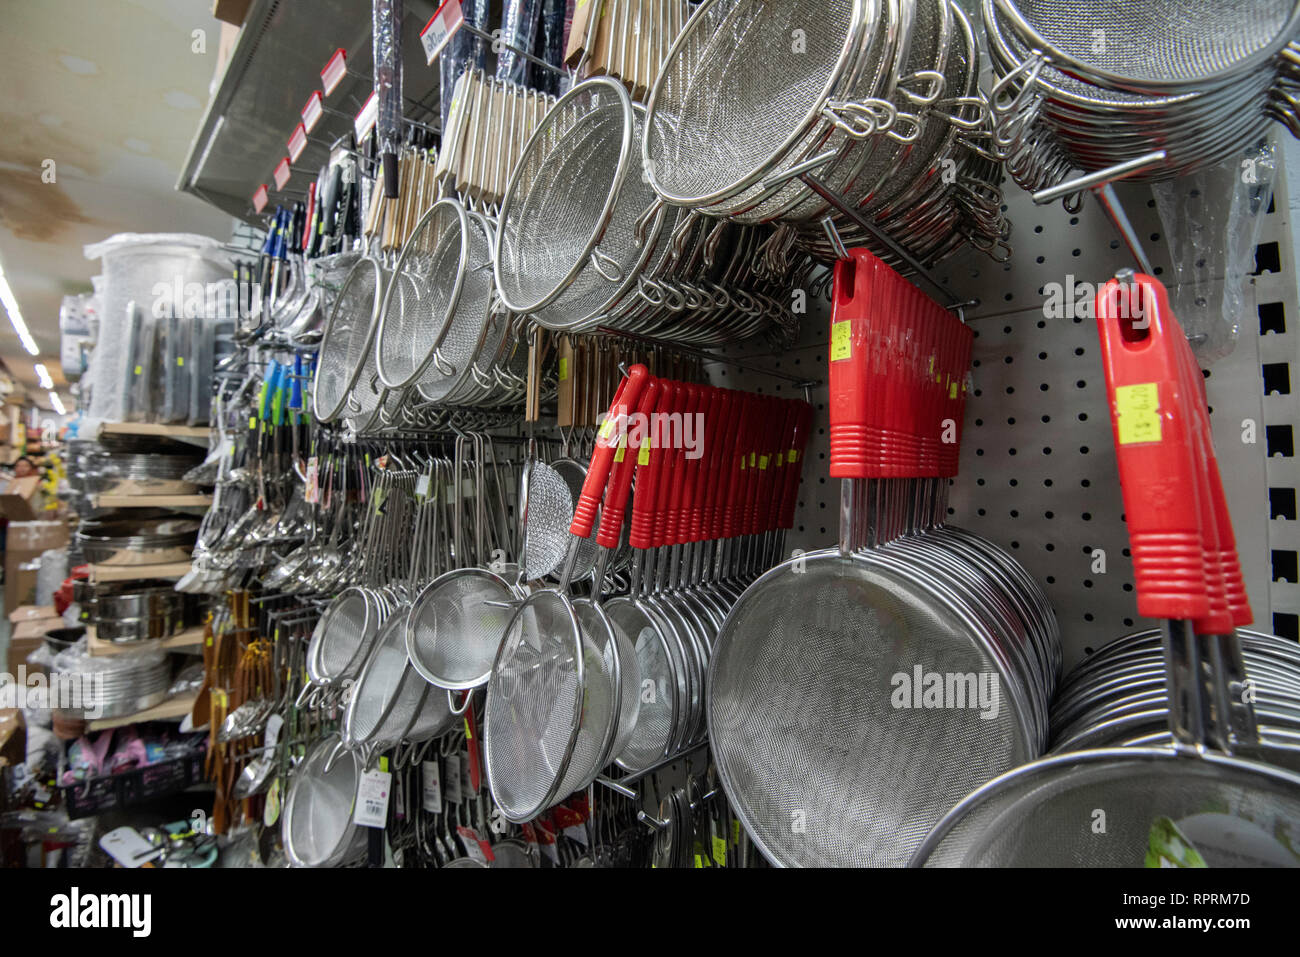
x=259 y=198
x=373 y=792
x=451 y=779
x=445 y=22
x=365 y=121
x=311 y=113
x=312 y=494
x=298 y=139
x=430 y=787
x=475 y=846
x=335 y=70
x=281 y=173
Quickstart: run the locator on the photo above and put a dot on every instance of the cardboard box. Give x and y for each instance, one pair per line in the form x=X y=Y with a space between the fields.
x=36 y=629
x=13 y=737
x=19 y=649
x=32 y=613
x=24 y=543
x=17 y=498
x=231 y=11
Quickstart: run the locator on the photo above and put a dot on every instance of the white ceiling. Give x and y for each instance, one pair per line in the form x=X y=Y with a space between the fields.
x=112 y=91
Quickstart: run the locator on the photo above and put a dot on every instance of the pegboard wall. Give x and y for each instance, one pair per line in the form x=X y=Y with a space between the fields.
x=1038 y=473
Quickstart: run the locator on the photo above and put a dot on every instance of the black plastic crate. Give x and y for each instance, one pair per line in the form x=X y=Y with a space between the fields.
x=132 y=787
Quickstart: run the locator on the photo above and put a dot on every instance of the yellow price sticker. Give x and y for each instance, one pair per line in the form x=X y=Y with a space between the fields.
x=383 y=763
x=607 y=429
x=180 y=360
x=794 y=456
x=139 y=370
x=762 y=463
x=622 y=450
x=564 y=368
x=643 y=454
x=1137 y=409
x=780 y=459
x=841 y=340
x=952 y=390
x=753 y=459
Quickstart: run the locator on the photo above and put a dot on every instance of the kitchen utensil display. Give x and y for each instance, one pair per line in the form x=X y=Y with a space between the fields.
x=1212 y=791
x=913 y=662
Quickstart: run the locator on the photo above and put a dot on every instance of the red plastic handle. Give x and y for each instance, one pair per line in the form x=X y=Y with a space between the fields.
x=1154 y=448
x=650 y=457
x=667 y=466
x=720 y=461
x=677 y=503
x=626 y=397
x=624 y=465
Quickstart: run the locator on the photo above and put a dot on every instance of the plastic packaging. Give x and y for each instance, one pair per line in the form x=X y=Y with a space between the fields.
x=1211 y=223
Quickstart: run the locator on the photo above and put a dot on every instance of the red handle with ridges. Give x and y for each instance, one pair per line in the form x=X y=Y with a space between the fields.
x=645 y=495
x=620 y=479
x=626 y=397
x=667 y=466
x=1156 y=456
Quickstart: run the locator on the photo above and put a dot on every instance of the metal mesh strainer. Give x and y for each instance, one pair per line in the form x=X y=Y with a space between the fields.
x=741 y=86
x=455 y=626
x=548 y=512
x=346 y=339
x=660 y=688
x=534 y=710
x=422 y=294
x=344 y=634
x=1235 y=813
x=464 y=336
x=574 y=473
x=835 y=767
x=317 y=827
x=555 y=211
x=388 y=693
x=1157 y=42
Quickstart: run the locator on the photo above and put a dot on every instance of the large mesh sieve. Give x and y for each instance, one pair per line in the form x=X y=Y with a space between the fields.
x=433 y=718
x=345 y=339
x=422 y=293
x=455 y=627
x=1235 y=813
x=601 y=705
x=742 y=85
x=316 y=827
x=388 y=693
x=467 y=325
x=534 y=705
x=548 y=512
x=562 y=193
x=1182 y=42
x=821 y=749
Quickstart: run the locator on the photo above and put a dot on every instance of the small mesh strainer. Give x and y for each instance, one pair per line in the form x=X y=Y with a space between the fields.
x=388 y=693
x=343 y=636
x=347 y=339
x=422 y=294
x=548 y=511
x=316 y=827
x=455 y=626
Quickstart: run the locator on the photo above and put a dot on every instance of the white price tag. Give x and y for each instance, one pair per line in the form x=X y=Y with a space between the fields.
x=445 y=22
x=422 y=486
x=373 y=792
x=259 y=198
x=578 y=833
x=281 y=173
x=431 y=787
x=451 y=779
x=335 y=70
x=311 y=114
x=475 y=847
x=298 y=138
x=366 y=119
x=312 y=494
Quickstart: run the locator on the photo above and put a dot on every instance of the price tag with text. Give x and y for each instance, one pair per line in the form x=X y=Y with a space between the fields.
x=298 y=139
x=281 y=173
x=373 y=792
x=260 y=198
x=311 y=114
x=335 y=70
x=440 y=28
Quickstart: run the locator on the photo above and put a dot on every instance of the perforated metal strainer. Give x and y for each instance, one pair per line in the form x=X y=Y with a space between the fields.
x=388 y=693
x=455 y=626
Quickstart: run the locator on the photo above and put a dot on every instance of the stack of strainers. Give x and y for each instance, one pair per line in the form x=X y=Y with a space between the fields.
x=1220 y=796
x=317 y=827
x=1091 y=86
x=107 y=687
x=563 y=691
x=582 y=241
x=855 y=694
x=341 y=640
x=1119 y=696
x=878 y=100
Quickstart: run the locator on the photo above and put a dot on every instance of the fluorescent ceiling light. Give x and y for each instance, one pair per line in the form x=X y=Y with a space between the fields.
x=44 y=375
x=16 y=316
x=57 y=403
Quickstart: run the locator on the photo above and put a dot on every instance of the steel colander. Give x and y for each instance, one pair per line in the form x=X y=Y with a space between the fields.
x=455 y=627
x=316 y=827
x=816 y=730
x=342 y=638
x=346 y=339
x=1235 y=813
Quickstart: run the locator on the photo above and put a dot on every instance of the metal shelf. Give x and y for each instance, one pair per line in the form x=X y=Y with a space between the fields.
x=273 y=69
x=173 y=709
